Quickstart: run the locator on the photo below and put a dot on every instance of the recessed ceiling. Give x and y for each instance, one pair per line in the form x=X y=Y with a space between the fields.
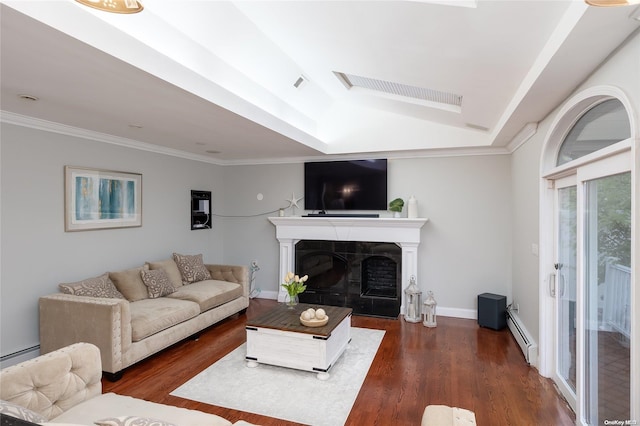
x=218 y=81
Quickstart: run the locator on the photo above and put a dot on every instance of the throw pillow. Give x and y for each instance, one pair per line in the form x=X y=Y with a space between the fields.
x=131 y=421
x=157 y=283
x=20 y=412
x=191 y=268
x=100 y=286
x=129 y=283
x=170 y=267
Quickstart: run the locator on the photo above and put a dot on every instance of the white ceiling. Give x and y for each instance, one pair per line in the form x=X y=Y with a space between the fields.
x=187 y=77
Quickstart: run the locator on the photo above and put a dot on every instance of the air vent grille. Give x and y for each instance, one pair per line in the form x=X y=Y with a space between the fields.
x=399 y=89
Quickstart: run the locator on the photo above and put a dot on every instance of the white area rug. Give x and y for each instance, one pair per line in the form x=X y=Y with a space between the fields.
x=284 y=393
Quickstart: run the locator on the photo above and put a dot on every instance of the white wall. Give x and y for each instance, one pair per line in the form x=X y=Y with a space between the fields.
x=525 y=174
x=253 y=237
x=37 y=253
x=466 y=245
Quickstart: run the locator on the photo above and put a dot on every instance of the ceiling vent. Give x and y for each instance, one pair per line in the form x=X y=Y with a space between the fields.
x=403 y=92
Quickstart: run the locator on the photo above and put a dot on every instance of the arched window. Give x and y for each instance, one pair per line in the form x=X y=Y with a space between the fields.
x=601 y=126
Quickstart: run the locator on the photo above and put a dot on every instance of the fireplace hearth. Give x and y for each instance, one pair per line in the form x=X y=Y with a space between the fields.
x=365 y=276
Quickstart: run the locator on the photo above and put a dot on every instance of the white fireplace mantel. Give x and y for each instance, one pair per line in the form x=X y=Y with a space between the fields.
x=402 y=231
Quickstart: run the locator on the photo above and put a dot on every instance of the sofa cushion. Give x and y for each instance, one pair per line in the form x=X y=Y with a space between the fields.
x=209 y=293
x=170 y=267
x=191 y=268
x=150 y=316
x=113 y=405
x=59 y=424
x=131 y=421
x=100 y=286
x=130 y=284
x=157 y=283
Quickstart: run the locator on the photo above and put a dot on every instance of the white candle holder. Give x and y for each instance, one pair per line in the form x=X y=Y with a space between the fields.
x=429 y=311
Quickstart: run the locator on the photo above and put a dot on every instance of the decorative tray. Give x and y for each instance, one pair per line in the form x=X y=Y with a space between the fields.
x=314 y=322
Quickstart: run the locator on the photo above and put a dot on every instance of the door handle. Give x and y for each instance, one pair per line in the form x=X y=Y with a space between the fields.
x=552 y=285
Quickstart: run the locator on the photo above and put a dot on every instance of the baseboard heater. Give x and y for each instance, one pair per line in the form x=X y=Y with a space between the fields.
x=525 y=341
x=19 y=356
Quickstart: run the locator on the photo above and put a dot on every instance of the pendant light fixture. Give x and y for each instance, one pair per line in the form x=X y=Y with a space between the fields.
x=114 y=6
x=611 y=3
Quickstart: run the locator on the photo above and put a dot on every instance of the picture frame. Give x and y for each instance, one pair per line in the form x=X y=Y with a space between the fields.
x=101 y=199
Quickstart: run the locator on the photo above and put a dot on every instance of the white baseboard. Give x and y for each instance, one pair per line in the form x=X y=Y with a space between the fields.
x=441 y=311
x=268 y=295
x=457 y=313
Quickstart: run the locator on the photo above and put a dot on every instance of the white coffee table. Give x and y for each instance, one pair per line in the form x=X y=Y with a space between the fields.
x=278 y=338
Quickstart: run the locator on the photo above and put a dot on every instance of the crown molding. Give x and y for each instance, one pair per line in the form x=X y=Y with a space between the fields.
x=63 y=129
x=49 y=126
x=523 y=136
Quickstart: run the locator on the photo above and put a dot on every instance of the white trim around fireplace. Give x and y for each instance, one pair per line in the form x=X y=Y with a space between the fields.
x=402 y=231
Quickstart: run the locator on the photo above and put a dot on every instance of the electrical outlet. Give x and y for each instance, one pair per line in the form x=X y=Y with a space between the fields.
x=534 y=249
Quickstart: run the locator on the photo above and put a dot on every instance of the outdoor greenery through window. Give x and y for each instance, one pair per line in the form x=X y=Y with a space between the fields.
x=608 y=298
x=614 y=223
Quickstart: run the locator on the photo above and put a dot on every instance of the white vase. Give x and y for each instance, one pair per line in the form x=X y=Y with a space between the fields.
x=396 y=214
x=412 y=209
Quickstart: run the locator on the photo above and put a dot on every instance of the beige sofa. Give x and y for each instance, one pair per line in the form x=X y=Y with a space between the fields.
x=130 y=322
x=64 y=387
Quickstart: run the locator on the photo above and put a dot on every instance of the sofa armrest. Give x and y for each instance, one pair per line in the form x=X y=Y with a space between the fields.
x=66 y=319
x=51 y=384
x=231 y=273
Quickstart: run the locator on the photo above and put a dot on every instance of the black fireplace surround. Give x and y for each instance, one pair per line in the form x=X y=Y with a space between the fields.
x=364 y=276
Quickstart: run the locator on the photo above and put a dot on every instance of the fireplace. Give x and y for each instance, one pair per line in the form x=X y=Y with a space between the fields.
x=364 y=276
x=403 y=233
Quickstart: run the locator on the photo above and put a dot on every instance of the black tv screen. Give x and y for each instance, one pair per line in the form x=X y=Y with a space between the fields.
x=345 y=185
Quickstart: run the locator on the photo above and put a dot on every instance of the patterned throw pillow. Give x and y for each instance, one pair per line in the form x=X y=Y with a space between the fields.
x=20 y=412
x=191 y=268
x=170 y=267
x=131 y=421
x=101 y=286
x=157 y=282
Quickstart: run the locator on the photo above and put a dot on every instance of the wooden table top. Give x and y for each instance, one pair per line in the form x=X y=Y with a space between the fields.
x=285 y=319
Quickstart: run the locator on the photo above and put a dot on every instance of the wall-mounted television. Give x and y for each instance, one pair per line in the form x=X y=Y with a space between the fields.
x=345 y=185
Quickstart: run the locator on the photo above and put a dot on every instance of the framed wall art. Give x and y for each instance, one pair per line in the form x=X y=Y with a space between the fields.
x=101 y=199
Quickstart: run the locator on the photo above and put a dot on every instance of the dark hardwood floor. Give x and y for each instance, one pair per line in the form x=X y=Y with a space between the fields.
x=457 y=364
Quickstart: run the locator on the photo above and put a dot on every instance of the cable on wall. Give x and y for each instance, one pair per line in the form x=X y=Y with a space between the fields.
x=250 y=215
x=293 y=203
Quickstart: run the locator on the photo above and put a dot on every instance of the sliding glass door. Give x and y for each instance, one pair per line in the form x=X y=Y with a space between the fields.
x=592 y=288
x=566 y=267
x=607 y=313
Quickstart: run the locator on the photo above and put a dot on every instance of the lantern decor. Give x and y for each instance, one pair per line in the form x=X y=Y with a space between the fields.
x=412 y=301
x=429 y=311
